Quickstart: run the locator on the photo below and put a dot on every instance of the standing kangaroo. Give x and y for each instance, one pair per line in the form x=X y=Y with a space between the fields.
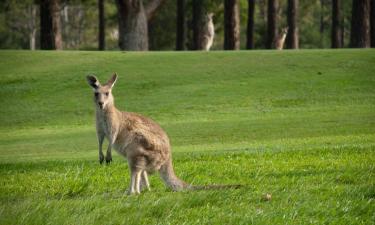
x=208 y=32
x=141 y=140
x=280 y=39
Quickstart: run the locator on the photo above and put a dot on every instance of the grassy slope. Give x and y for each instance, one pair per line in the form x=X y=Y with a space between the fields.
x=297 y=124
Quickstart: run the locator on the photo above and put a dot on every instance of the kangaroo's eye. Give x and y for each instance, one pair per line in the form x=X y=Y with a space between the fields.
x=107 y=93
x=96 y=94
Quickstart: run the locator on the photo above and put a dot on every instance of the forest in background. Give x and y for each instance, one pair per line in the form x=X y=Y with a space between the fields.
x=79 y=23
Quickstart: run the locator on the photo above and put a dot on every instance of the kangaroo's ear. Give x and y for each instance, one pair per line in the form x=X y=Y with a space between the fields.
x=112 y=81
x=93 y=81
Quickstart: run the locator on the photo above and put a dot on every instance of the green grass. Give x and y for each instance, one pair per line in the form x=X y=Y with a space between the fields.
x=299 y=125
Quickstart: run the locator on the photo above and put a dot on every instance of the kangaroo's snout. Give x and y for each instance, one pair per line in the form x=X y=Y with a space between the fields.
x=100 y=104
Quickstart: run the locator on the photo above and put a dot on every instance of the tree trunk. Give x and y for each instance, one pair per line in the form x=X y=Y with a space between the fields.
x=197 y=23
x=360 y=27
x=46 y=31
x=101 y=25
x=271 y=23
x=56 y=24
x=336 y=35
x=133 y=17
x=50 y=25
x=231 y=25
x=292 y=14
x=372 y=23
x=250 y=25
x=180 y=32
x=32 y=26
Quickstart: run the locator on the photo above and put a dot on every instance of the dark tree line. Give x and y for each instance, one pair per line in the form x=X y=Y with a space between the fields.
x=134 y=17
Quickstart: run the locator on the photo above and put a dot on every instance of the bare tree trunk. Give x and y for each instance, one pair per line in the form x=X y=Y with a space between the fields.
x=32 y=40
x=273 y=6
x=292 y=14
x=56 y=24
x=231 y=25
x=360 y=27
x=133 y=28
x=197 y=23
x=372 y=23
x=46 y=30
x=101 y=25
x=180 y=32
x=250 y=25
x=336 y=34
x=32 y=26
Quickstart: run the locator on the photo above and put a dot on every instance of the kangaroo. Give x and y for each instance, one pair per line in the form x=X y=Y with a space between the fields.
x=208 y=32
x=141 y=140
x=280 y=39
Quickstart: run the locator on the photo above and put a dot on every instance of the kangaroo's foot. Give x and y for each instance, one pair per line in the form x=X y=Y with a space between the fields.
x=101 y=158
x=108 y=159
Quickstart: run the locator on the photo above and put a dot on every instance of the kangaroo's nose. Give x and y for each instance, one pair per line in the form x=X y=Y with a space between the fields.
x=100 y=104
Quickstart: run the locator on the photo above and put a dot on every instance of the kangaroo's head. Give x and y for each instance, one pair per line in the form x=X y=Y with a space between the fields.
x=102 y=93
x=285 y=30
x=209 y=16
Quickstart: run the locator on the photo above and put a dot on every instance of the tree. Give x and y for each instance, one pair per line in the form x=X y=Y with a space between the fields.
x=46 y=32
x=198 y=13
x=133 y=17
x=336 y=35
x=360 y=26
x=180 y=27
x=372 y=23
x=292 y=14
x=231 y=25
x=273 y=6
x=50 y=25
x=250 y=24
x=101 y=25
x=56 y=23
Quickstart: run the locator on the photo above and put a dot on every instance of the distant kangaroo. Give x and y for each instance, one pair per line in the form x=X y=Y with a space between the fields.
x=280 y=39
x=208 y=32
x=141 y=140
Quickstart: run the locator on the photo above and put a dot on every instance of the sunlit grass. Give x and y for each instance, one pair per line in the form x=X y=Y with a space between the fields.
x=298 y=125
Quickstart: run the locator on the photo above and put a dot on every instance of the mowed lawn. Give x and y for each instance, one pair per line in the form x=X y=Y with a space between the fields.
x=297 y=125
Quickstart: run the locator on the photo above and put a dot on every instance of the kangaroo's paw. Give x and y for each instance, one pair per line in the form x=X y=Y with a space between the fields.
x=108 y=159
x=101 y=158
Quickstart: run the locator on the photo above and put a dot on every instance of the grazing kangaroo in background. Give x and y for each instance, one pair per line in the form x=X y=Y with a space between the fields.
x=141 y=140
x=208 y=32
x=280 y=39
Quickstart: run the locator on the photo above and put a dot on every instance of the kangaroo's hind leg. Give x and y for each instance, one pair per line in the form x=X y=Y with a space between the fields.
x=137 y=166
x=145 y=184
x=135 y=178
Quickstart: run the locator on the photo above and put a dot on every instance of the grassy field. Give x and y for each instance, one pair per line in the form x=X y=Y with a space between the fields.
x=299 y=125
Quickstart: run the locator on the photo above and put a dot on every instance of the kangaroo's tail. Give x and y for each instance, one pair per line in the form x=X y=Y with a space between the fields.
x=176 y=184
x=169 y=177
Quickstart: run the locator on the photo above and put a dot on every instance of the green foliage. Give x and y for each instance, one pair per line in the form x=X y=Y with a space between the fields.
x=298 y=125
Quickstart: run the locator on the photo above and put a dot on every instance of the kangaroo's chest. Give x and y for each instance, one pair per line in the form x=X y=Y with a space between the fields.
x=107 y=126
